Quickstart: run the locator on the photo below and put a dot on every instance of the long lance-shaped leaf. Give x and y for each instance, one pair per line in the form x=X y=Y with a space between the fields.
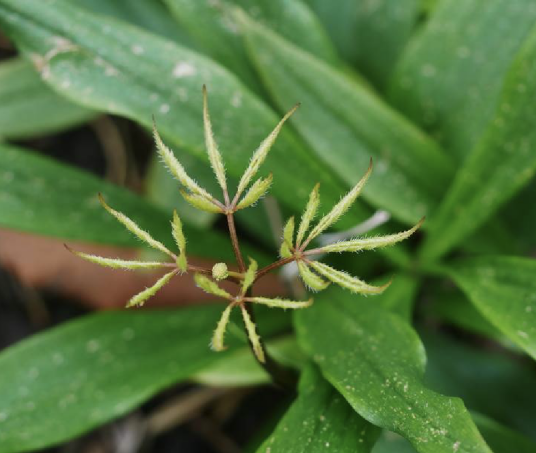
x=308 y=214
x=347 y=281
x=212 y=149
x=256 y=192
x=312 y=280
x=280 y=303
x=207 y=285
x=178 y=235
x=253 y=335
x=260 y=154
x=176 y=169
x=340 y=208
x=201 y=203
x=249 y=278
x=135 y=229
x=217 y=343
x=355 y=245
x=139 y=299
x=116 y=263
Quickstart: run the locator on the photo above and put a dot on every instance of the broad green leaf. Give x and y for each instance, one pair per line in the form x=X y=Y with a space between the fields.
x=346 y=125
x=500 y=165
x=451 y=74
x=67 y=380
x=493 y=383
x=503 y=289
x=29 y=107
x=376 y=361
x=42 y=196
x=451 y=306
x=320 y=420
x=120 y=69
x=369 y=34
x=149 y=14
x=213 y=27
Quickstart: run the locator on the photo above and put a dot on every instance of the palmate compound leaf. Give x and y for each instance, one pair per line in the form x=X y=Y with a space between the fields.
x=376 y=361
x=68 y=380
x=320 y=421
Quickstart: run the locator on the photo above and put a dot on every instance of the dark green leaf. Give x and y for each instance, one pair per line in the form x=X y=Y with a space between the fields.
x=124 y=70
x=500 y=165
x=320 y=420
x=451 y=75
x=502 y=439
x=369 y=35
x=346 y=125
x=400 y=297
x=489 y=381
x=42 y=196
x=213 y=26
x=68 y=380
x=29 y=107
x=149 y=14
x=377 y=361
x=503 y=289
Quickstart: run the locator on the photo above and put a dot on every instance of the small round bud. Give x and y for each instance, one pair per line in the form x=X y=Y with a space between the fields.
x=220 y=271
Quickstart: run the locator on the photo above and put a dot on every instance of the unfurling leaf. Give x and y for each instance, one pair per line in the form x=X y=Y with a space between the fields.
x=252 y=335
x=347 y=281
x=260 y=154
x=178 y=235
x=256 y=192
x=212 y=149
x=217 y=343
x=139 y=299
x=355 y=245
x=280 y=303
x=201 y=203
x=116 y=263
x=220 y=271
x=313 y=281
x=340 y=208
x=207 y=285
x=176 y=169
x=249 y=278
x=308 y=214
x=135 y=229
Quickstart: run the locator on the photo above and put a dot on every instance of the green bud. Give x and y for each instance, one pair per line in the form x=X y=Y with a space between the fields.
x=220 y=271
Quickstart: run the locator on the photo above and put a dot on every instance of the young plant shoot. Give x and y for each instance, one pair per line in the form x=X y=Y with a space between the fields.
x=294 y=247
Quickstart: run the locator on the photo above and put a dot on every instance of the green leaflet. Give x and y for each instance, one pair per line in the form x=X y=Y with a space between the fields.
x=503 y=289
x=29 y=107
x=369 y=35
x=451 y=74
x=377 y=361
x=104 y=64
x=346 y=125
x=42 y=196
x=320 y=420
x=489 y=381
x=214 y=29
x=500 y=165
x=65 y=381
